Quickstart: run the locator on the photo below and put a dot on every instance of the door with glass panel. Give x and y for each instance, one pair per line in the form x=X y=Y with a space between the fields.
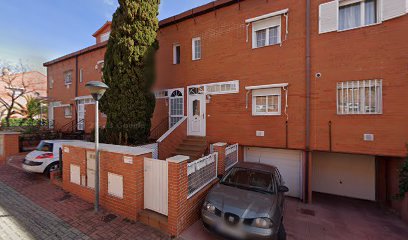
x=176 y=106
x=196 y=115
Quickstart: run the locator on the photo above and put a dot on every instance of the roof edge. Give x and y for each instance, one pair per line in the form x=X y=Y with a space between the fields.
x=101 y=28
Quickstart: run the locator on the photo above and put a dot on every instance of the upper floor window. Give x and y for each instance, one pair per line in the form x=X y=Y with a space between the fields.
x=357 y=13
x=81 y=75
x=176 y=54
x=51 y=82
x=196 y=48
x=266 y=32
x=105 y=36
x=266 y=101
x=68 y=77
x=68 y=111
x=359 y=97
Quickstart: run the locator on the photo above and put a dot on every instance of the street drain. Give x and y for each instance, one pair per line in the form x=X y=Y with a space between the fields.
x=108 y=218
x=307 y=212
x=63 y=198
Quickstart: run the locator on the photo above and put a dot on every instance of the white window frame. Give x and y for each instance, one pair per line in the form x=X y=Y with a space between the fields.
x=277 y=91
x=194 y=40
x=360 y=86
x=105 y=36
x=343 y=3
x=170 y=91
x=266 y=24
x=234 y=83
x=81 y=75
x=51 y=82
x=175 y=54
x=115 y=191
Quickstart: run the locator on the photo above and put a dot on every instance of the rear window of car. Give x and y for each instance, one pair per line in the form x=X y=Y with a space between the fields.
x=45 y=146
x=250 y=179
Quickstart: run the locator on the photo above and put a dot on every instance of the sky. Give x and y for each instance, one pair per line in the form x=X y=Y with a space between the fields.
x=36 y=31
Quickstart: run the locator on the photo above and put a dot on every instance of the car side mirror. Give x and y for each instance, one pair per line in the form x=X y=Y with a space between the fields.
x=283 y=189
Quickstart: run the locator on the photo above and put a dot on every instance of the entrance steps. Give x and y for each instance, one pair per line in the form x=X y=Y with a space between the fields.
x=192 y=146
x=154 y=219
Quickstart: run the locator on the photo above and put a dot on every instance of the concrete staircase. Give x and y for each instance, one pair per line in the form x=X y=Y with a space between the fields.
x=192 y=146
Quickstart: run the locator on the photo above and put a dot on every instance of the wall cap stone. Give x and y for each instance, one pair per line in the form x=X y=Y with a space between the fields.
x=178 y=159
x=9 y=133
x=121 y=149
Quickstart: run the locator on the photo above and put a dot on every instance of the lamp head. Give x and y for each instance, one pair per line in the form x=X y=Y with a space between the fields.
x=97 y=89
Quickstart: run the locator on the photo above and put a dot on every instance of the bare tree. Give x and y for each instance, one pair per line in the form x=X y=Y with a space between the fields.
x=15 y=87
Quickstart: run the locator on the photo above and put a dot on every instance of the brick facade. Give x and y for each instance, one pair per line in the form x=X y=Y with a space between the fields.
x=169 y=144
x=132 y=201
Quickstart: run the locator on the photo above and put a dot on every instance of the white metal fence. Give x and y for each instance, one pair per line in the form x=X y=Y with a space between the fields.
x=201 y=172
x=231 y=156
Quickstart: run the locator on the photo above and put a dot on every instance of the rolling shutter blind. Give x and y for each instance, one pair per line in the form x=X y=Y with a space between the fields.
x=393 y=8
x=328 y=16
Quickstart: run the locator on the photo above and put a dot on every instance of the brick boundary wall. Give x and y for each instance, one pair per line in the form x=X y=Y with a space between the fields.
x=10 y=145
x=168 y=145
x=183 y=211
x=133 y=180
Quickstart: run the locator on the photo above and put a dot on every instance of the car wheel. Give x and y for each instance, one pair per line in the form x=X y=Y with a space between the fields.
x=282 y=232
x=52 y=167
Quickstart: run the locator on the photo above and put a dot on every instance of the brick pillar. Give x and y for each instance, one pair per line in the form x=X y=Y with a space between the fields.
x=178 y=192
x=220 y=148
x=9 y=145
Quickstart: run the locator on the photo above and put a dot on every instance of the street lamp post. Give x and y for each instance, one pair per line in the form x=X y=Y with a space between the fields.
x=97 y=90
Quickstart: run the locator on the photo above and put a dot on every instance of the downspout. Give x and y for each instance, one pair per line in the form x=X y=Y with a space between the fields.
x=308 y=76
x=76 y=90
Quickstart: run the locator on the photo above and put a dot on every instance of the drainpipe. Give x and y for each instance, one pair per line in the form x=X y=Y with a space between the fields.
x=308 y=77
x=76 y=89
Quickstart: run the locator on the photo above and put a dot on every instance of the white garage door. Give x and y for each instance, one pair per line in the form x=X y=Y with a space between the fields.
x=349 y=175
x=289 y=163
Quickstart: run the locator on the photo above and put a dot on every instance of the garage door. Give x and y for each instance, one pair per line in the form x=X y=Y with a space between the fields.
x=289 y=163
x=349 y=175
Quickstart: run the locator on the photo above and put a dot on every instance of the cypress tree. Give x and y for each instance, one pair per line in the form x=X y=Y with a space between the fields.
x=129 y=72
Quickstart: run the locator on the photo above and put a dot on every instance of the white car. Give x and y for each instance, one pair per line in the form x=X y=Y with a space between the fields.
x=45 y=158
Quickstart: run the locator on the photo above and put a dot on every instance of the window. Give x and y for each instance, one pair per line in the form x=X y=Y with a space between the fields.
x=266 y=102
x=51 y=82
x=68 y=111
x=359 y=97
x=115 y=185
x=353 y=14
x=105 y=36
x=196 y=48
x=161 y=94
x=222 y=87
x=68 y=77
x=266 y=32
x=176 y=107
x=45 y=147
x=176 y=54
x=81 y=75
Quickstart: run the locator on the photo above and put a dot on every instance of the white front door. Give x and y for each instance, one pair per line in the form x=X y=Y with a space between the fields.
x=51 y=116
x=196 y=115
x=81 y=117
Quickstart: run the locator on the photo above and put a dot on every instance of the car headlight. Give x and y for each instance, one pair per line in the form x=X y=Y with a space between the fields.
x=265 y=223
x=209 y=207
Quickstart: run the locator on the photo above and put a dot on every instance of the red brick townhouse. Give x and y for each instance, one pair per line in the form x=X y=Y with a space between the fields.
x=317 y=88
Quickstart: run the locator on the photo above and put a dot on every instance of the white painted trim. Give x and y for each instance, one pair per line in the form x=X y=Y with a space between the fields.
x=266 y=86
x=193 y=48
x=175 y=54
x=165 y=135
x=83 y=97
x=203 y=109
x=269 y=15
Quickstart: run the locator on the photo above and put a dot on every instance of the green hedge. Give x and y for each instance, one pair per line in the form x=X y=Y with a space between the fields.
x=19 y=122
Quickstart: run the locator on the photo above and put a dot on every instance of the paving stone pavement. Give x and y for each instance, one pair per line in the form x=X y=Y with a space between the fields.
x=32 y=208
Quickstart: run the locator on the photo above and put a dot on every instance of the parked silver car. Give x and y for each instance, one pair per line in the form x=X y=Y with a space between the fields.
x=248 y=203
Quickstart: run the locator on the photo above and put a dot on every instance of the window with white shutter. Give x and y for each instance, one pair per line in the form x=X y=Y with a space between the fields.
x=393 y=8
x=266 y=32
x=328 y=16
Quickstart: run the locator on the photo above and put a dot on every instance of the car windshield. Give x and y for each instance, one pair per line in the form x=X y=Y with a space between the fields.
x=250 y=179
x=45 y=146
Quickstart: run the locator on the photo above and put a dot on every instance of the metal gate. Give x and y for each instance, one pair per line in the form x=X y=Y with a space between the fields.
x=156 y=185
